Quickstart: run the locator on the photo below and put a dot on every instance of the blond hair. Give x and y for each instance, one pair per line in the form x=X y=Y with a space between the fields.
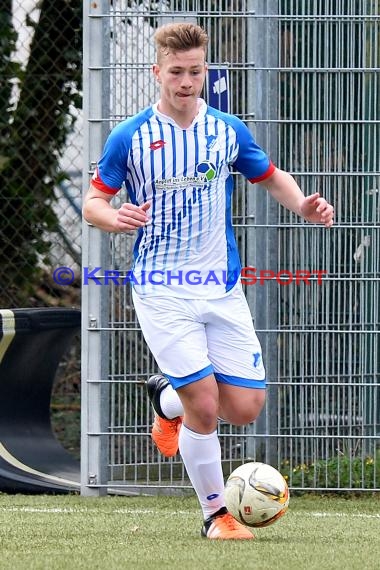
x=179 y=37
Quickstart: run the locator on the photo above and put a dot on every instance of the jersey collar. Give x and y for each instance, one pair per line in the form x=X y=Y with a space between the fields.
x=199 y=116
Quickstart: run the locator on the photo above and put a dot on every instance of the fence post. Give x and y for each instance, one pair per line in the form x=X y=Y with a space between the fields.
x=262 y=235
x=94 y=407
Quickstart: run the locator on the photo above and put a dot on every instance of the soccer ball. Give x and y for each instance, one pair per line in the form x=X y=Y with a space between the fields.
x=256 y=494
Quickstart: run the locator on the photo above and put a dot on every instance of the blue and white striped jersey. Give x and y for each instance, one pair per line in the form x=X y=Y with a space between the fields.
x=188 y=249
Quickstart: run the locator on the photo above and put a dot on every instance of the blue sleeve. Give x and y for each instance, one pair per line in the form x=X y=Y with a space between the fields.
x=112 y=166
x=251 y=160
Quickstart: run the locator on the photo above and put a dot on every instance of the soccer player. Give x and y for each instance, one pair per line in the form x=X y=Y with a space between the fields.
x=175 y=159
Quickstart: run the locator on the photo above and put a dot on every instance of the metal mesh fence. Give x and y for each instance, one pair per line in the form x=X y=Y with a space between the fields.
x=40 y=150
x=328 y=375
x=304 y=77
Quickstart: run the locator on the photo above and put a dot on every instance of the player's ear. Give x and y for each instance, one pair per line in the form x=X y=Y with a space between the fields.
x=156 y=72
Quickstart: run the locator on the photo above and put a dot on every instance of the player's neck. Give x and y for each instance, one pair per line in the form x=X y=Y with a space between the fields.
x=182 y=119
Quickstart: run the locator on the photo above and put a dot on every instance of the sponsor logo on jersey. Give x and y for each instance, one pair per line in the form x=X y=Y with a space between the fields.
x=206 y=172
x=207 y=169
x=156 y=145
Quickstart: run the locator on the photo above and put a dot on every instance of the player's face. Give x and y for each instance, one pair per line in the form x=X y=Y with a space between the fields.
x=181 y=76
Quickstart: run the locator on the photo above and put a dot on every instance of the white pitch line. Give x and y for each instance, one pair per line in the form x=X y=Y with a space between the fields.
x=127 y=511
x=341 y=515
x=41 y=510
x=70 y=510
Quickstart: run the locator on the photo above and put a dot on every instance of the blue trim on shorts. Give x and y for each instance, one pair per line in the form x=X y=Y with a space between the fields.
x=179 y=382
x=238 y=381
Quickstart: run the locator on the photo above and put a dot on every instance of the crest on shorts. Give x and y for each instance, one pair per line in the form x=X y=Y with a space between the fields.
x=256 y=359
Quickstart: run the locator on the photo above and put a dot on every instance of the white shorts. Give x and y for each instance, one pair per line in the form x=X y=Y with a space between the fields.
x=193 y=338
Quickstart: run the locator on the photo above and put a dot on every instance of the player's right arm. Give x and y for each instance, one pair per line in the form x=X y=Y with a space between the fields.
x=98 y=211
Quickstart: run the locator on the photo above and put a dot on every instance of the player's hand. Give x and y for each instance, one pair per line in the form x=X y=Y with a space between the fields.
x=130 y=217
x=317 y=210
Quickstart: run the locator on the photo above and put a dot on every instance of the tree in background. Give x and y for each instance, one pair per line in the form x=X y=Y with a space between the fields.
x=33 y=132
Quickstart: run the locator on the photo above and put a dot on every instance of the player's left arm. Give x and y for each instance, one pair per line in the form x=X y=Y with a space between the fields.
x=283 y=188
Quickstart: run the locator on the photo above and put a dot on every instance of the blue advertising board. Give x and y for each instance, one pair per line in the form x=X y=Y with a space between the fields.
x=218 y=95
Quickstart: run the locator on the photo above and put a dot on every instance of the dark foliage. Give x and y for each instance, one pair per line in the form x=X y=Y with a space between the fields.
x=33 y=136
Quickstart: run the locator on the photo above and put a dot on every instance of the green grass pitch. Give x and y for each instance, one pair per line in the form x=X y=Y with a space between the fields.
x=150 y=533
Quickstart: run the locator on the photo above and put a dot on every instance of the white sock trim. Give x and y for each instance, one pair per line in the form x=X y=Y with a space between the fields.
x=170 y=403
